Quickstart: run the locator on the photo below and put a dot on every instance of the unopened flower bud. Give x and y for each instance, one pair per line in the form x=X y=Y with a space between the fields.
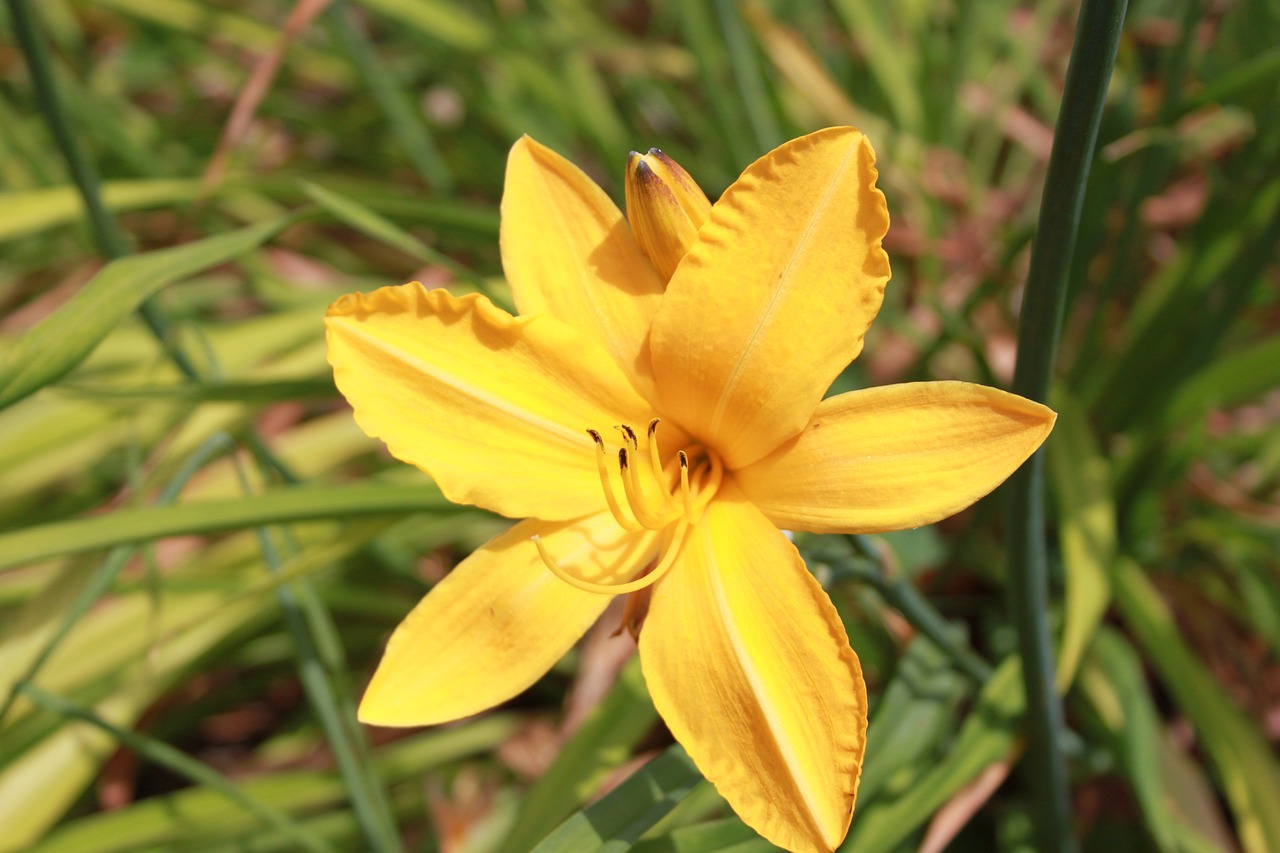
x=665 y=207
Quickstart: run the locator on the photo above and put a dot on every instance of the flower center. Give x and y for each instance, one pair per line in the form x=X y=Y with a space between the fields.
x=667 y=497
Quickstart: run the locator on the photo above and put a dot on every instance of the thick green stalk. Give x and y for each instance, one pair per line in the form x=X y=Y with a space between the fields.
x=1092 y=58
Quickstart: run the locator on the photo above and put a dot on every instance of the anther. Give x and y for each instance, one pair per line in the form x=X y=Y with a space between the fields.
x=630 y=434
x=602 y=468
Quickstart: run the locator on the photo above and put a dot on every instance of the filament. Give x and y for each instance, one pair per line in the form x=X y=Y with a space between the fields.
x=664 y=565
x=602 y=466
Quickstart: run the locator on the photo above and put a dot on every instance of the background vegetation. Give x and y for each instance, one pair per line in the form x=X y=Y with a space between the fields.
x=201 y=555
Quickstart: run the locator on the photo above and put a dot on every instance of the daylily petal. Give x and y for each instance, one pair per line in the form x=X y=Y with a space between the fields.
x=567 y=251
x=772 y=301
x=895 y=457
x=498 y=621
x=749 y=665
x=493 y=407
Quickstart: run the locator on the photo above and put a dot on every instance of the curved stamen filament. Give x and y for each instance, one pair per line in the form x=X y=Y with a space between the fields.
x=654 y=519
x=602 y=466
x=685 y=492
x=663 y=566
x=655 y=462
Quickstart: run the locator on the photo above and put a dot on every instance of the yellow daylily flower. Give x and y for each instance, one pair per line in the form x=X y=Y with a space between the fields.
x=716 y=379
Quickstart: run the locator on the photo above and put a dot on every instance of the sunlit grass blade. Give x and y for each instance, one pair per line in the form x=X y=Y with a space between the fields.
x=1249 y=773
x=61 y=341
x=201 y=812
x=175 y=760
x=1081 y=480
x=603 y=742
x=24 y=212
x=915 y=715
x=989 y=734
x=102 y=580
x=1115 y=686
x=629 y=810
x=282 y=505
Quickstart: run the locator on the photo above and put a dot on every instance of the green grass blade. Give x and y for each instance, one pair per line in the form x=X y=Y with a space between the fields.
x=61 y=341
x=406 y=122
x=1081 y=481
x=313 y=633
x=618 y=820
x=182 y=764
x=603 y=742
x=301 y=503
x=1244 y=760
x=1113 y=681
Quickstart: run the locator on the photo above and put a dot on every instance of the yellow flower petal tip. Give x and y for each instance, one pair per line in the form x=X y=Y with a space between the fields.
x=665 y=207
x=720 y=327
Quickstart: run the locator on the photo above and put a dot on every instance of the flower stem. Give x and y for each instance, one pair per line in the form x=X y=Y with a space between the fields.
x=1089 y=71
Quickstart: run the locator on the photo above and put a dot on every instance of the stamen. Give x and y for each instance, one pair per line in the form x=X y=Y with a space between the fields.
x=639 y=502
x=602 y=466
x=655 y=462
x=663 y=566
x=685 y=491
x=630 y=434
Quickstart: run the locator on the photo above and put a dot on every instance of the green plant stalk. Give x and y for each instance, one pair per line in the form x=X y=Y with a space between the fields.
x=1089 y=72
x=184 y=765
x=903 y=596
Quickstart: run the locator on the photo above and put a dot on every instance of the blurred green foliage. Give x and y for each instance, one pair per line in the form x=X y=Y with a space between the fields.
x=197 y=569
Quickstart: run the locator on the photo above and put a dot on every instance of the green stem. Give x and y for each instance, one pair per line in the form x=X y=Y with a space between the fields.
x=1092 y=58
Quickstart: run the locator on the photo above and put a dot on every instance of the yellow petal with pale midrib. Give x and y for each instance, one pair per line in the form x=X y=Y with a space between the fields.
x=750 y=667
x=568 y=252
x=773 y=299
x=896 y=457
x=493 y=407
x=499 y=621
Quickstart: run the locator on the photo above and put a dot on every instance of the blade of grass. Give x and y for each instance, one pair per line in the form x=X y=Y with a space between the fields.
x=1239 y=751
x=57 y=539
x=628 y=811
x=1040 y=326
x=314 y=634
x=200 y=812
x=1081 y=480
x=111 y=566
x=62 y=340
x=182 y=764
x=604 y=742
x=406 y=123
